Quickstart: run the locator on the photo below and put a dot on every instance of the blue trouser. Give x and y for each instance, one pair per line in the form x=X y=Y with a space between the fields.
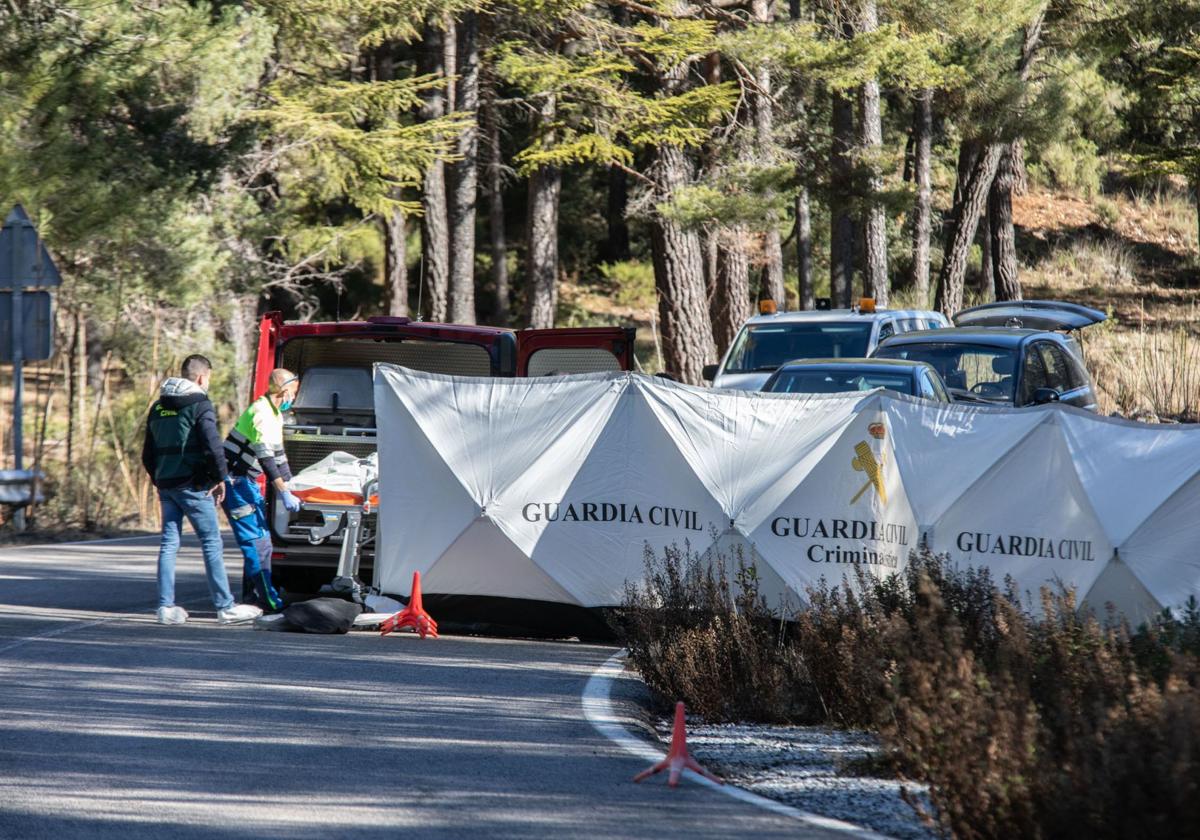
x=201 y=511
x=247 y=512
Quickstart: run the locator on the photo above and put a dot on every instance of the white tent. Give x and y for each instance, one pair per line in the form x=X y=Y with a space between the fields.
x=553 y=489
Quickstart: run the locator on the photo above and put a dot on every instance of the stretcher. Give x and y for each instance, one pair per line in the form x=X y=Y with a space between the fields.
x=344 y=491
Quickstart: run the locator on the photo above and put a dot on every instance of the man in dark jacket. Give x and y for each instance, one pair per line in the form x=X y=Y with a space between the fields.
x=184 y=455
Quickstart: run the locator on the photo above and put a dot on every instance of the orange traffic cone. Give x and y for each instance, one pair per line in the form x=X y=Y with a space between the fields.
x=413 y=615
x=677 y=757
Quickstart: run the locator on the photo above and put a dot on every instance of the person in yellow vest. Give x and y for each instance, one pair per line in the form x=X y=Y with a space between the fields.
x=255 y=446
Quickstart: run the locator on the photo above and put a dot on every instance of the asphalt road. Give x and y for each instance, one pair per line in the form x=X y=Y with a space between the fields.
x=113 y=726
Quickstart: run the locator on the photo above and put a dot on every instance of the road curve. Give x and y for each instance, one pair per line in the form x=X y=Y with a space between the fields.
x=112 y=726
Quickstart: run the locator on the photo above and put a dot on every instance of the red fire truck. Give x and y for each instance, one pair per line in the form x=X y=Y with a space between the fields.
x=334 y=408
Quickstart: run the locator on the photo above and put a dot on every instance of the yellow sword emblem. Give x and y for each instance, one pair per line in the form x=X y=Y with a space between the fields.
x=865 y=462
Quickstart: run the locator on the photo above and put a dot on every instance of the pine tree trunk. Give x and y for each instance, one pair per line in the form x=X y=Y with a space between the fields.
x=679 y=276
x=396 y=263
x=463 y=176
x=616 y=246
x=804 y=251
x=923 y=209
x=875 y=278
x=1001 y=232
x=763 y=106
x=495 y=189
x=963 y=224
x=544 y=187
x=841 y=234
x=541 y=271
x=240 y=333
x=710 y=246
x=984 y=292
x=730 y=305
x=395 y=227
x=435 y=239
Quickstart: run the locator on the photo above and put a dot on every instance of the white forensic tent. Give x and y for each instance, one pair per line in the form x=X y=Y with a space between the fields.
x=554 y=488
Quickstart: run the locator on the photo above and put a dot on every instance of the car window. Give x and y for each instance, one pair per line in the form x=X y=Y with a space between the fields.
x=767 y=346
x=936 y=390
x=836 y=382
x=910 y=324
x=1076 y=366
x=933 y=324
x=984 y=370
x=1033 y=375
x=887 y=329
x=1058 y=367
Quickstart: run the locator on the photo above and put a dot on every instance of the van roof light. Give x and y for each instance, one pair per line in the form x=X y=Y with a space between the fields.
x=766 y=306
x=866 y=305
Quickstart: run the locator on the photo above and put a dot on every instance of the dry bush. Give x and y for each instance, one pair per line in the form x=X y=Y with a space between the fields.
x=692 y=635
x=1033 y=725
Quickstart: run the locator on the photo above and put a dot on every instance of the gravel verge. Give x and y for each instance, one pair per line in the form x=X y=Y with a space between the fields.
x=814 y=768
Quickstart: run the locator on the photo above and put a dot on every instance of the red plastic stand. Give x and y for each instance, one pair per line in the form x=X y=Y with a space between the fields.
x=413 y=615
x=677 y=757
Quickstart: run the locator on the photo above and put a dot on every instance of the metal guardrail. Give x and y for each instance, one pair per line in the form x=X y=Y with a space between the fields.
x=18 y=487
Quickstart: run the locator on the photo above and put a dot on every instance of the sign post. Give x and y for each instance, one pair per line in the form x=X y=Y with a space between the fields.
x=24 y=264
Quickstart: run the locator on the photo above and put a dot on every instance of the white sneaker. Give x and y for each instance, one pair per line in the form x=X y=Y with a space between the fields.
x=238 y=614
x=172 y=615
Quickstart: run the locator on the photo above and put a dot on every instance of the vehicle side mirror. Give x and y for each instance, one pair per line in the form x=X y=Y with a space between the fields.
x=709 y=372
x=1045 y=395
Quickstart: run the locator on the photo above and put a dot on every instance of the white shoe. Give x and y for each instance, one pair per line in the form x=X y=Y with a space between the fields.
x=172 y=615
x=238 y=614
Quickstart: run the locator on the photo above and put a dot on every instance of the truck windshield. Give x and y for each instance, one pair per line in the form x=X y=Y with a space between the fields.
x=984 y=370
x=767 y=346
x=837 y=381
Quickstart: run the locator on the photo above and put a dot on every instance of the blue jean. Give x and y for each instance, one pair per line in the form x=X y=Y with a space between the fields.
x=201 y=511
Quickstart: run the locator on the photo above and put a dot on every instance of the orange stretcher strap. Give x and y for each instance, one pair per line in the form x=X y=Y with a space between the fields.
x=321 y=496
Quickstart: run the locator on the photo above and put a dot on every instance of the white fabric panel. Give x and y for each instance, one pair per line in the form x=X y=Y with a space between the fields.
x=425 y=507
x=1129 y=469
x=741 y=444
x=944 y=449
x=483 y=560
x=1164 y=552
x=641 y=491
x=850 y=511
x=1118 y=587
x=555 y=488
x=1029 y=517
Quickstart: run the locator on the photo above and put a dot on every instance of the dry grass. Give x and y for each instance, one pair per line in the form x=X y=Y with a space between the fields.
x=1150 y=374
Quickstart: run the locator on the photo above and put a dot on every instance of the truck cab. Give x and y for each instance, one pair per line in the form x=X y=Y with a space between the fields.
x=334 y=407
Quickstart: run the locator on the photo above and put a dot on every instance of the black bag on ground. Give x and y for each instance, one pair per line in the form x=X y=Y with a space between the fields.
x=322 y=615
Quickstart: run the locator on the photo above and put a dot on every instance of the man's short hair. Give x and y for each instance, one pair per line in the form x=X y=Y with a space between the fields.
x=195 y=366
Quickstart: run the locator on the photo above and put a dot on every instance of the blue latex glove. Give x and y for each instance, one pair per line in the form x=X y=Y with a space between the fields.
x=289 y=501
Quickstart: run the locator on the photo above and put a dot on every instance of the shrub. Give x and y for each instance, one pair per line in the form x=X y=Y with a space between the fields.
x=1046 y=724
x=1107 y=211
x=691 y=634
x=631 y=283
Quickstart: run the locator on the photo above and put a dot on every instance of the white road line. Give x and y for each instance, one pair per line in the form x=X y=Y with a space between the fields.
x=598 y=709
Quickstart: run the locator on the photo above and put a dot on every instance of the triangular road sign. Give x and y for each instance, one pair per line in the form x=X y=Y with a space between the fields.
x=24 y=260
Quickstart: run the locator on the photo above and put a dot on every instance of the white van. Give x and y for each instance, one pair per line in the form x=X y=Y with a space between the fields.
x=767 y=341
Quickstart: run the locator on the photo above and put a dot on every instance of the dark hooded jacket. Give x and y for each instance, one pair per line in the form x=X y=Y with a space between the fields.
x=188 y=451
